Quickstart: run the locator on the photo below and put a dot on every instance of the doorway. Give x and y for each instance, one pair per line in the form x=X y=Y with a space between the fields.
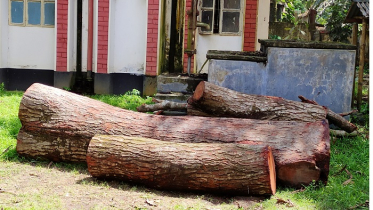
x=172 y=36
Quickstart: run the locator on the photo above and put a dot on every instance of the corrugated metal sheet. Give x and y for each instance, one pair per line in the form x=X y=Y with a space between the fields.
x=359 y=9
x=364 y=8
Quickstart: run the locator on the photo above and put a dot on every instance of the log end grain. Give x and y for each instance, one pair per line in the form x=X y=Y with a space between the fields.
x=298 y=174
x=199 y=92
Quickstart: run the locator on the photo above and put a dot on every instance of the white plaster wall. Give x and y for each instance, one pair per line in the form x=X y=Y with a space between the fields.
x=25 y=47
x=84 y=35
x=214 y=42
x=31 y=47
x=95 y=26
x=1 y=41
x=127 y=36
x=71 y=35
x=262 y=21
x=3 y=33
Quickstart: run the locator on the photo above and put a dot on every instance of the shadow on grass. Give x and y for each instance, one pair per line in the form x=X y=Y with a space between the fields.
x=214 y=198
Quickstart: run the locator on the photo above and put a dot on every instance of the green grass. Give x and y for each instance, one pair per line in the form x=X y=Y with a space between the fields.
x=129 y=100
x=9 y=123
x=351 y=153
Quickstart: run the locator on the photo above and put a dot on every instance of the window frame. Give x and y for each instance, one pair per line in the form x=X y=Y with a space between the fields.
x=213 y=19
x=222 y=10
x=26 y=15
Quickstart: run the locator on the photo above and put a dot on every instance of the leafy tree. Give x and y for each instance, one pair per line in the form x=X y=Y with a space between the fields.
x=330 y=13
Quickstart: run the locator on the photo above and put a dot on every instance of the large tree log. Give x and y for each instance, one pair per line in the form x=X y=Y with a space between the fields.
x=219 y=168
x=333 y=117
x=223 y=102
x=58 y=125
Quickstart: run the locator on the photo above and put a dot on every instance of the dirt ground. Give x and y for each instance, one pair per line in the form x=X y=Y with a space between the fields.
x=42 y=185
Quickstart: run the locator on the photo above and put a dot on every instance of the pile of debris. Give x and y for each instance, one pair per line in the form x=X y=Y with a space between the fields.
x=283 y=141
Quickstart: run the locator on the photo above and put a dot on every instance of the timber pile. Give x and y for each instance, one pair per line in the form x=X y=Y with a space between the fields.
x=62 y=126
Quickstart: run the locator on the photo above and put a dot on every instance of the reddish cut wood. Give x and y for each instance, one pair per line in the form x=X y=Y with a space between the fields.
x=58 y=125
x=235 y=169
x=223 y=102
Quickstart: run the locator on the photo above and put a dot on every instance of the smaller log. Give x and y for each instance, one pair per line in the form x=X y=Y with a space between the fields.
x=341 y=133
x=162 y=105
x=333 y=117
x=223 y=102
x=348 y=113
x=235 y=169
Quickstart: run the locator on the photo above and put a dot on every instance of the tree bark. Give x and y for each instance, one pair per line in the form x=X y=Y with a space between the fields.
x=58 y=125
x=161 y=105
x=212 y=167
x=224 y=102
x=333 y=117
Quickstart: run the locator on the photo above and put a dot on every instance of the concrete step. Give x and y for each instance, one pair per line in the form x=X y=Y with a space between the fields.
x=177 y=84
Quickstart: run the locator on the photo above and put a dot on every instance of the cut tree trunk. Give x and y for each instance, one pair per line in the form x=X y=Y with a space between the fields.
x=58 y=125
x=212 y=167
x=223 y=102
x=333 y=117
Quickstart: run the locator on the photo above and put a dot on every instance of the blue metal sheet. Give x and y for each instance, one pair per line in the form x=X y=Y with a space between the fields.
x=323 y=75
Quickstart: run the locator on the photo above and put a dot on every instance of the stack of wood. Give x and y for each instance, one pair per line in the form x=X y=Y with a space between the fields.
x=284 y=140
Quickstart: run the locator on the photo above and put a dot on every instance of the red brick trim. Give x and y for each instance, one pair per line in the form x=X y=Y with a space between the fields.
x=61 y=30
x=188 y=6
x=250 y=25
x=152 y=38
x=102 y=36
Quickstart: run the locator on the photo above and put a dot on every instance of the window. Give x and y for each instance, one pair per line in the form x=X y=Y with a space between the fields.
x=32 y=12
x=223 y=16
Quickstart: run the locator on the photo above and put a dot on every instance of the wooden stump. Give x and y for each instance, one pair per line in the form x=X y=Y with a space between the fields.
x=58 y=125
x=235 y=169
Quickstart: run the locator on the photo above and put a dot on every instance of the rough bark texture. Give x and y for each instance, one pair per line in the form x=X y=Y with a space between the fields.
x=161 y=105
x=59 y=125
x=333 y=117
x=218 y=168
x=224 y=102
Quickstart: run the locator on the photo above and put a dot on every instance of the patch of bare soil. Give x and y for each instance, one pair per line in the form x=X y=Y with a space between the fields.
x=44 y=185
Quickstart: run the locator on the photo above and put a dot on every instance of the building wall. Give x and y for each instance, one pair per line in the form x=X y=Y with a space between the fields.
x=214 y=42
x=102 y=36
x=152 y=40
x=3 y=32
x=246 y=41
x=61 y=34
x=262 y=21
x=25 y=47
x=188 y=5
x=31 y=48
x=250 y=28
x=127 y=39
